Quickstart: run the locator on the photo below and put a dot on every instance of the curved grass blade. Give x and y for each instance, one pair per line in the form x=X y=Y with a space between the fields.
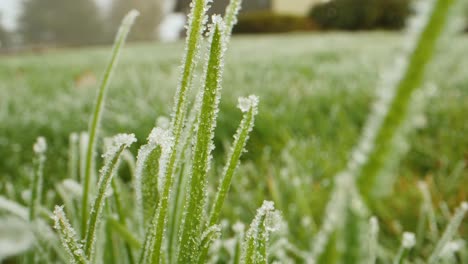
x=191 y=229
x=211 y=234
x=97 y=114
x=230 y=17
x=68 y=237
x=112 y=155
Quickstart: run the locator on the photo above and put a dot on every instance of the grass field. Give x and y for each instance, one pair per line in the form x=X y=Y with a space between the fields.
x=315 y=92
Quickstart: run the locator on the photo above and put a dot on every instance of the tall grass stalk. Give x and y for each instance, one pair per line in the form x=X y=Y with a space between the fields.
x=97 y=113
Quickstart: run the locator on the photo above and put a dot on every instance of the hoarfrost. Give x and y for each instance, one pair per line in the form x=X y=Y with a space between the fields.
x=118 y=142
x=246 y=103
x=409 y=240
x=40 y=147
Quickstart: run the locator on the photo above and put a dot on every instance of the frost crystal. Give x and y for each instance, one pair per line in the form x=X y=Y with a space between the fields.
x=40 y=146
x=409 y=240
x=246 y=103
x=117 y=142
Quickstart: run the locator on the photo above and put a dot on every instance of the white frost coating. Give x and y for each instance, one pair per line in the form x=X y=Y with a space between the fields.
x=40 y=147
x=72 y=187
x=15 y=237
x=127 y=22
x=117 y=142
x=246 y=103
x=409 y=240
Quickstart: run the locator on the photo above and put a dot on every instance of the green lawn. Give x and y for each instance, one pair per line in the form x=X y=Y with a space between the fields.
x=315 y=93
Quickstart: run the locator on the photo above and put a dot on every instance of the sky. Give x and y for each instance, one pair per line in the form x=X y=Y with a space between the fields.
x=10 y=9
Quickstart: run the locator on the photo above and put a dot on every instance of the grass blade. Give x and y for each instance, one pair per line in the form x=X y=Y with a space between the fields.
x=40 y=148
x=266 y=221
x=449 y=232
x=190 y=238
x=250 y=108
x=112 y=155
x=395 y=111
x=197 y=20
x=68 y=237
x=98 y=110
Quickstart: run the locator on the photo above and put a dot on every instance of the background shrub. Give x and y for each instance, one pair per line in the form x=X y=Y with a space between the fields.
x=361 y=14
x=269 y=22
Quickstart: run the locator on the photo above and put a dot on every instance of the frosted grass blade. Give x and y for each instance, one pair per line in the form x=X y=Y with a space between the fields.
x=111 y=159
x=39 y=148
x=449 y=232
x=249 y=106
x=398 y=107
x=98 y=110
x=68 y=237
x=190 y=236
x=266 y=220
x=196 y=26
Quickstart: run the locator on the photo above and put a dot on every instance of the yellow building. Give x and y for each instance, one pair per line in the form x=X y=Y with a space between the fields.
x=293 y=7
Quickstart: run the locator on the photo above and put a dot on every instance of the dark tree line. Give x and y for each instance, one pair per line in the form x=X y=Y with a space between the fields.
x=81 y=22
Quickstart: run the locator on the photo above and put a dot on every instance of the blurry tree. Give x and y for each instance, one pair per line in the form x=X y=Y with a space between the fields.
x=145 y=27
x=63 y=22
x=361 y=14
x=4 y=35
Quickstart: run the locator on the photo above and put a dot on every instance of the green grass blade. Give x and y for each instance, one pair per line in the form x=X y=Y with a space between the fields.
x=196 y=27
x=191 y=229
x=408 y=242
x=398 y=107
x=68 y=237
x=255 y=245
x=211 y=234
x=40 y=148
x=124 y=233
x=112 y=155
x=230 y=17
x=146 y=175
x=98 y=110
x=449 y=232
x=250 y=108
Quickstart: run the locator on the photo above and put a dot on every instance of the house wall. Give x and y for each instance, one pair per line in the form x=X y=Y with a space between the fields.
x=294 y=7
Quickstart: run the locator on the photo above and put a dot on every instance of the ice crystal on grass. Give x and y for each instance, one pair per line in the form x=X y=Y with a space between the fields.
x=409 y=240
x=117 y=143
x=40 y=146
x=246 y=103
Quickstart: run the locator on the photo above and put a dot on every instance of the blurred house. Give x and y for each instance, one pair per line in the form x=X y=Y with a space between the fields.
x=293 y=7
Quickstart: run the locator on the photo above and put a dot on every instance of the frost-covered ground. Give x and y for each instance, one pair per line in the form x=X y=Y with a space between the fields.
x=315 y=93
